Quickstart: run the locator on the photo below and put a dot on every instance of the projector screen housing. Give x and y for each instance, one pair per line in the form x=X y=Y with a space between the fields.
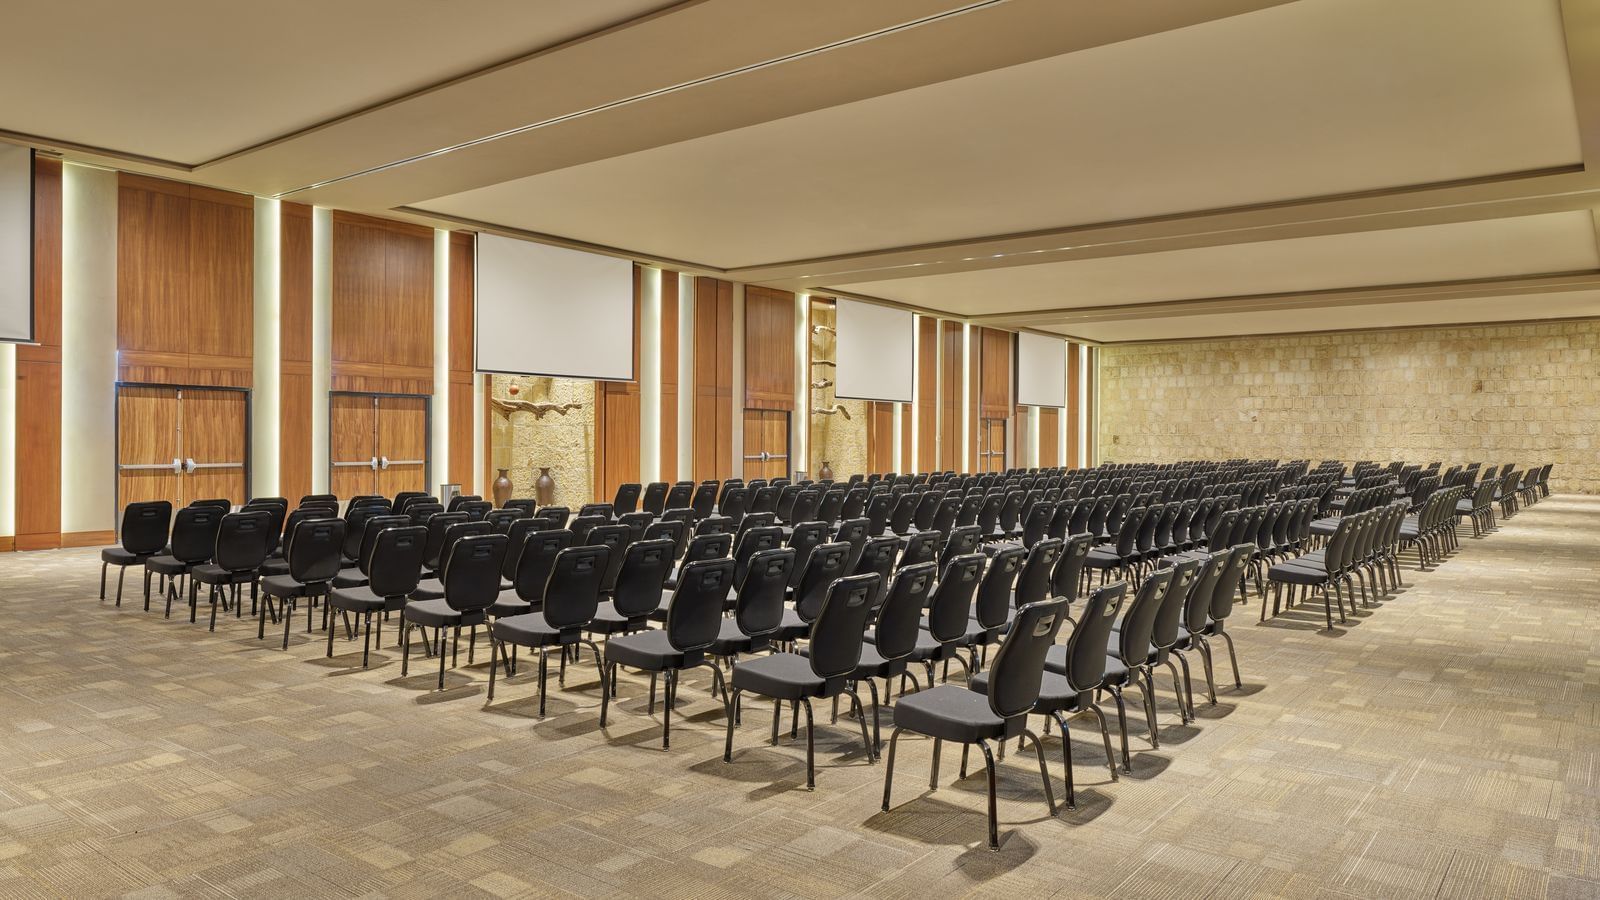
x=875 y=352
x=550 y=311
x=1041 y=370
x=16 y=244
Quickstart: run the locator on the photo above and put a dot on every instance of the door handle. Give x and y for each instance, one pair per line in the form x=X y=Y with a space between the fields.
x=188 y=466
x=383 y=462
x=215 y=465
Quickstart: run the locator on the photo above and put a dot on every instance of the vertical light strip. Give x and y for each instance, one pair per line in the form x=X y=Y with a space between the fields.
x=439 y=438
x=1094 y=402
x=480 y=434
x=802 y=385
x=265 y=392
x=916 y=392
x=8 y=439
x=1033 y=438
x=738 y=384
x=321 y=342
x=650 y=375
x=899 y=436
x=685 y=381
x=1083 y=407
x=1061 y=418
x=967 y=462
x=88 y=349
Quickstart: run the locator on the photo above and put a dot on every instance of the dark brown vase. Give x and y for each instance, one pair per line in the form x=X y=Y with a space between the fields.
x=826 y=472
x=502 y=488
x=544 y=490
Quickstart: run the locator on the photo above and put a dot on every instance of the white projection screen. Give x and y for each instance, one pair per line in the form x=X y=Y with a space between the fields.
x=16 y=243
x=1041 y=370
x=875 y=352
x=544 y=310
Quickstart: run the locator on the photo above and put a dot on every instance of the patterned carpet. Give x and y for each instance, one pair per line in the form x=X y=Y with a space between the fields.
x=1444 y=743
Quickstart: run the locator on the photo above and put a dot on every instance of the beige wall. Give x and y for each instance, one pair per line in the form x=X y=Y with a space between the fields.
x=1525 y=394
x=839 y=441
x=523 y=442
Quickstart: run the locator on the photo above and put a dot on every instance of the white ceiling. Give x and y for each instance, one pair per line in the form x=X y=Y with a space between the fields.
x=1527 y=245
x=1575 y=304
x=1310 y=98
x=191 y=80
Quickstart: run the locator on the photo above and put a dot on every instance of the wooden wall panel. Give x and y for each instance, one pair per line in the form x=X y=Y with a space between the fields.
x=713 y=378
x=462 y=322
x=907 y=428
x=294 y=350
x=1049 y=436
x=950 y=372
x=38 y=392
x=1074 y=453
x=880 y=437
x=616 y=424
x=185 y=283
x=669 y=377
x=994 y=396
x=769 y=339
x=927 y=394
x=382 y=305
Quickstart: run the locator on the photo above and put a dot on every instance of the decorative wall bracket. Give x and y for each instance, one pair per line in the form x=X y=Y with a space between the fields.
x=824 y=362
x=822 y=383
x=835 y=409
x=539 y=410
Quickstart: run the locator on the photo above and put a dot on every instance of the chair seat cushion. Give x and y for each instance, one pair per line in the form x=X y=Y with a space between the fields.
x=275 y=566
x=529 y=630
x=509 y=604
x=1292 y=573
x=428 y=589
x=356 y=598
x=439 y=614
x=120 y=557
x=781 y=676
x=1325 y=526
x=792 y=627
x=211 y=573
x=287 y=586
x=1055 y=660
x=648 y=650
x=872 y=664
x=731 y=640
x=950 y=713
x=348 y=578
x=608 y=621
x=166 y=565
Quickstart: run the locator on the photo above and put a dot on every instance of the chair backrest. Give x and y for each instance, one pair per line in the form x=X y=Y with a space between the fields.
x=472 y=571
x=456 y=532
x=711 y=524
x=500 y=519
x=404 y=499
x=438 y=525
x=581 y=525
x=1198 y=604
x=1068 y=573
x=677 y=532
x=1037 y=520
x=537 y=560
x=645 y=567
x=313 y=550
x=855 y=502
x=750 y=542
x=704 y=502
x=1164 y=630
x=901 y=616
x=805 y=537
x=1011 y=510
x=572 y=595
x=878 y=556
x=242 y=540
x=527 y=505
x=920 y=548
x=963 y=539
x=476 y=510
x=1138 y=623
x=679 y=494
x=194 y=533
x=806 y=505
x=758 y=609
x=356 y=526
x=832 y=505
x=878 y=509
x=1061 y=517
x=556 y=514
x=217 y=503
x=827 y=564
x=841 y=625
x=369 y=537
x=1228 y=583
x=1086 y=647
x=1018 y=669
x=853 y=532
x=146 y=524
x=694 y=614
x=655 y=497
x=420 y=511
x=1132 y=527
x=626 y=499
x=994 y=593
x=905 y=509
x=1034 y=581
x=394 y=561
x=735 y=502
x=709 y=546
x=615 y=537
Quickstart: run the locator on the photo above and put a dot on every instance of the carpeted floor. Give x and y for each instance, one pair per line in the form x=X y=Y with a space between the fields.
x=1443 y=744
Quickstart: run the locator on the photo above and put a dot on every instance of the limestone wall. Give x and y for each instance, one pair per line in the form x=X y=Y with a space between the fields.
x=1523 y=394
x=840 y=441
x=523 y=442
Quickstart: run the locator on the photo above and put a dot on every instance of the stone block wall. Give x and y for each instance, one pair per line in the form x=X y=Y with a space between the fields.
x=839 y=441
x=522 y=442
x=1525 y=394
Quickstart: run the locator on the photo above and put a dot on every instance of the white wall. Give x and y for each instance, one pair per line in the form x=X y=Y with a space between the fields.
x=88 y=348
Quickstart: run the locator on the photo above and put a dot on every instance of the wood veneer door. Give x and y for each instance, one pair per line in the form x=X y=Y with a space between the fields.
x=215 y=440
x=148 y=457
x=992 y=445
x=766 y=443
x=353 y=444
x=402 y=444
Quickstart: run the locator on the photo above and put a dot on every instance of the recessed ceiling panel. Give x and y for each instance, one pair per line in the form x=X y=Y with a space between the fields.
x=1528 y=245
x=190 y=80
x=1314 y=98
x=1576 y=304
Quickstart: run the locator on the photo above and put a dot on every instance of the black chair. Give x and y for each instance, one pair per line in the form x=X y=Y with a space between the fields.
x=920 y=548
x=500 y=519
x=654 y=499
x=694 y=618
x=572 y=596
x=241 y=548
x=995 y=707
x=1132 y=640
x=878 y=557
x=355 y=574
x=313 y=551
x=432 y=588
x=626 y=499
x=806 y=537
x=1068 y=574
x=393 y=561
x=835 y=653
x=557 y=514
x=701 y=546
x=704 y=502
x=963 y=539
x=404 y=499
x=534 y=563
x=471 y=583
x=637 y=592
x=758 y=610
x=1164 y=631
x=194 y=537
x=826 y=564
x=143 y=535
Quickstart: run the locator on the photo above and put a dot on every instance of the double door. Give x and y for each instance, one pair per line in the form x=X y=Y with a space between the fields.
x=181 y=444
x=378 y=443
x=766 y=444
x=991 y=445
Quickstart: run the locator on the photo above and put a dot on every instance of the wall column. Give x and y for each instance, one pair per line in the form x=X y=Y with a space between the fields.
x=88 y=355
